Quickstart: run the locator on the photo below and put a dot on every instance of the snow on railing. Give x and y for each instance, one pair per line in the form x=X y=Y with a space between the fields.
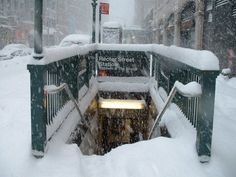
x=63 y=65
x=47 y=109
x=200 y=59
x=192 y=89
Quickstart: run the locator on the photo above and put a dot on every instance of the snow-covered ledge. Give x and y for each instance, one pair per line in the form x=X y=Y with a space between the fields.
x=200 y=59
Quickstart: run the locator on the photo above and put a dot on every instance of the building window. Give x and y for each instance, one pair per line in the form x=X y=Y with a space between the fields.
x=188 y=12
x=170 y=30
x=188 y=25
x=161 y=29
x=210 y=17
x=221 y=3
x=234 y=12
x=209 y=5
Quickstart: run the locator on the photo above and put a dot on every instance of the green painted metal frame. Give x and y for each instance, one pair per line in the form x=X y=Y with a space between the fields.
x=38 y=111
x=66 y=71
x=199 y=111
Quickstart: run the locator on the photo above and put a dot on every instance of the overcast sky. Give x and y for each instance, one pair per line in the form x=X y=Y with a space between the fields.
x=122 y=11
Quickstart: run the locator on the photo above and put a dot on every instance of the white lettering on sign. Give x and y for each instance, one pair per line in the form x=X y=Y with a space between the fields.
x=114 y=63
x=118 y=59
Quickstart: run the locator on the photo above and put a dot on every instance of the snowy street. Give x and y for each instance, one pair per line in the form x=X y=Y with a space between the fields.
x=159 y=157
x=117 y=88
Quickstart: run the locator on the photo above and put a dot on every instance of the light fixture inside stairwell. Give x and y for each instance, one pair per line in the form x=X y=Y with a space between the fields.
x=121 y=104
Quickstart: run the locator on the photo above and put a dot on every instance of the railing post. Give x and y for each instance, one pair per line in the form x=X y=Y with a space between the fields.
x=206 y=114
x=38 y=111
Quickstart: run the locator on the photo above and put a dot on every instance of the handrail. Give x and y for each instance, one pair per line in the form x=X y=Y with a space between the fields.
x=54 y=89
x=180 y=88
x=167 y=103
x=176 y=63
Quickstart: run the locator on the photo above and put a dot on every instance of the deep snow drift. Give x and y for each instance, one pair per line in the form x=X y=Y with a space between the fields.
x=159 y=157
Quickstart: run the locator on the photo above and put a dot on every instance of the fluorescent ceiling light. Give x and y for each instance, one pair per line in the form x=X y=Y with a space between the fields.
x=121 y=104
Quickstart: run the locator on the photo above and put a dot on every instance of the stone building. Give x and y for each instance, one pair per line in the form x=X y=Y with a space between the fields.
x=197 y=24
x=142 y=8
x=179 y=23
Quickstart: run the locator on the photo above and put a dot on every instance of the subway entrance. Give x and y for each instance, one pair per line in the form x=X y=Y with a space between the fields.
x=115 y=118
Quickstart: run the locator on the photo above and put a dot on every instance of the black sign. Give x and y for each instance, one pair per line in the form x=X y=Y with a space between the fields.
x=123 y=64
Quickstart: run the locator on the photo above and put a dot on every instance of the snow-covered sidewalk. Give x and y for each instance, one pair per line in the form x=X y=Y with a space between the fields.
x=160 y=157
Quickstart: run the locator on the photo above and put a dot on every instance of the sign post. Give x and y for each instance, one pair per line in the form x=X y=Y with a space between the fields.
x=103 y=9
x=94 y=5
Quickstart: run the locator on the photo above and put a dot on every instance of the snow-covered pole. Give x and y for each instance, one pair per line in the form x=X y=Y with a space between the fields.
x=94 y=5
x=38 y=29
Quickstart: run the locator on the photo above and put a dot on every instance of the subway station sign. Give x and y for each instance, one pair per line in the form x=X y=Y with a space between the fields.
x=104 y=8
x=124 y=64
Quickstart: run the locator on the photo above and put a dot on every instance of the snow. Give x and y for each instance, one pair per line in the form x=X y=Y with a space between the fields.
x=77 y=39
x=200 y=59
x=125 y=47
x=172 y=157
x=59 y=119
x=162 y=93
x=112 y=24
x=192 y=89
x=53 y=88
x=122 y=84
x=60 y=53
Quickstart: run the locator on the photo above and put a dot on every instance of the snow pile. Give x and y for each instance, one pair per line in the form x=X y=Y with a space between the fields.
x=59 y=119
x=200 y=59
x=125 y=47
x=163 y=94
x=77 y=38
x=111 y=24
x=60 y=53
x=203 y=60
x=192 y=89
x=122 y=84
x=172 y=157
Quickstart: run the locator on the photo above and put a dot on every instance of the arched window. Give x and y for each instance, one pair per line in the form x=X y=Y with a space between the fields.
x=170 y=30
x=161 y=28
x=188 y=11
x=234 y=12
x=221 y=3
x=209 y=5
x=188 y=25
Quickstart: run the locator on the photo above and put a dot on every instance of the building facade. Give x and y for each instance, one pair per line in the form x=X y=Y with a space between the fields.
x=142 y=8
x=197 y=24
x=60 y=18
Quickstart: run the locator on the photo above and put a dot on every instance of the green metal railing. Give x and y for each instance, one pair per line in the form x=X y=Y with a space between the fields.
x=76 y=71
x=199 y=111
x=45 y=106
